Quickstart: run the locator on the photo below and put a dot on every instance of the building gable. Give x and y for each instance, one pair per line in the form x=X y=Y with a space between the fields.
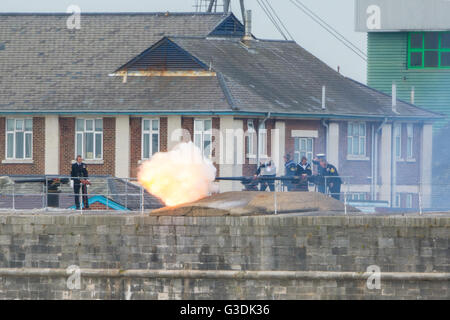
x=165 y=55
x=231 y=26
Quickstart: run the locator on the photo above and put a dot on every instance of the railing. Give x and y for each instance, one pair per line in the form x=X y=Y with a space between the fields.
x=126 y=195
x=50 y=192
x=360 y=193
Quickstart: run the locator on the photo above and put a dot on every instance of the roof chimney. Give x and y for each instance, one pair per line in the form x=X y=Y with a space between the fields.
x=248 y=25
x=394 y=97
x=324 y=97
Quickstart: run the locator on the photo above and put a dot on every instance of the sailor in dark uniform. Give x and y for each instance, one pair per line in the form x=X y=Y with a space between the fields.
x=291 y=169
x=79 y=172
x=304 y=171
x=328 y=176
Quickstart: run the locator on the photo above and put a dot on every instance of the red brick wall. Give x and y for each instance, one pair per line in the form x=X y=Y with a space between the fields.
x=187 y=124
x=136 y=142
x=67 y=147
x=66 y=144
x=163 y=134
x=319 y=143
x=38 y=165
x=135 y=145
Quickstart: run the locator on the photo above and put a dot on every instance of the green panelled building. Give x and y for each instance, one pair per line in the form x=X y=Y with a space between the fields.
x=418 y=62
x=408 y=43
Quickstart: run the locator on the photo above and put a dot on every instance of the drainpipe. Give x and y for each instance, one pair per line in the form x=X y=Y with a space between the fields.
x=375 y=159
x=393 y=164
x=326 y=136
x=257 y=139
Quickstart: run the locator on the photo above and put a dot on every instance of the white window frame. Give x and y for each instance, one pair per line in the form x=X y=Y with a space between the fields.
x=410 y=141
x=362 y=140
x=250 y=139
x=397 y=200
x=298 y=153
x=357 y=196
x=150 y=132
x=398 y=142
x=25 y=133
x=262 y=141
x=409 y=200
x=94 y=132
x=202 y=133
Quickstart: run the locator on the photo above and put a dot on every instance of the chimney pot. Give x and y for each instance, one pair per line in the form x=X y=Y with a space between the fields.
x=324 y=97
x=248 y=25
x=394 y=97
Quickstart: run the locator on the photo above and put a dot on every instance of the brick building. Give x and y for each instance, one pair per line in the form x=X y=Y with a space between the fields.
x=125 y=86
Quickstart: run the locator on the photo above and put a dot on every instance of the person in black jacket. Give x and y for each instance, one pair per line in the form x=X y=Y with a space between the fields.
x=328 y=177
x=77 y=174
x=291 y=169
x=304 y=171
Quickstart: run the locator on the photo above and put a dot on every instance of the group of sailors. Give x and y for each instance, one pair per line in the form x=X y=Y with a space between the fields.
x=300 y=175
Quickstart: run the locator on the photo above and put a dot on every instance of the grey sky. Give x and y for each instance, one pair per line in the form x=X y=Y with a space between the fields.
x=308 y=34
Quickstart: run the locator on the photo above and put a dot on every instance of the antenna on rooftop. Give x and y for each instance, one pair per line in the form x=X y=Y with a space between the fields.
x=206 y=5
x=212 y=5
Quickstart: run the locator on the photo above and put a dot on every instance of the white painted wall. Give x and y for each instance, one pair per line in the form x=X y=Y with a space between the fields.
x=333 y=144
x=426 y=161
x=174 y=131
x=279 y=146
x=52 y=144
x=122 y=152
x=226 y=153
x=385 y=154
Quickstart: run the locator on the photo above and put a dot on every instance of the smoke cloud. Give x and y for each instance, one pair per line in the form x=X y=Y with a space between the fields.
x=179 y=176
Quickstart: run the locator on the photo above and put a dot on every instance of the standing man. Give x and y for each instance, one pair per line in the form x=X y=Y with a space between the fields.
x=328 y=176
x=304 y=171
x=291 y=169
x=79 y=171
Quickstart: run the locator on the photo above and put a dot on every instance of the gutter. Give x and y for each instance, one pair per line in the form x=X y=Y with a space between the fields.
x=224 y=112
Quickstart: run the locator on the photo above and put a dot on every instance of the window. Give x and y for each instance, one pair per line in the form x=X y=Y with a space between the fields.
x=409 y=141
x=150 y=137
x=397 y=200
x=250 y=139
x=303 y=148
x=429 y=50
x=409 y=201
x=398 y=141
x=203 y=136
x=356 y=197
x=262 y=140
x=19 y=139
x=89 y=138
x=356 y=139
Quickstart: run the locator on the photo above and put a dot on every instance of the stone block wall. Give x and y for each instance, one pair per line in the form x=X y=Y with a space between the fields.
x=304 y=257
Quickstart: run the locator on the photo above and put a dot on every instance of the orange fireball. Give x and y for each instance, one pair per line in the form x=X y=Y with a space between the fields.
x=179 y=176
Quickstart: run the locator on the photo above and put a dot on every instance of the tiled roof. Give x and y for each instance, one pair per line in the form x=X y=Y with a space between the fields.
x=44 y=67
x=282 y=77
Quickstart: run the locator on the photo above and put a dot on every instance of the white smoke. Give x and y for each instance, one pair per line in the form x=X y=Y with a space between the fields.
x=179 y=176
